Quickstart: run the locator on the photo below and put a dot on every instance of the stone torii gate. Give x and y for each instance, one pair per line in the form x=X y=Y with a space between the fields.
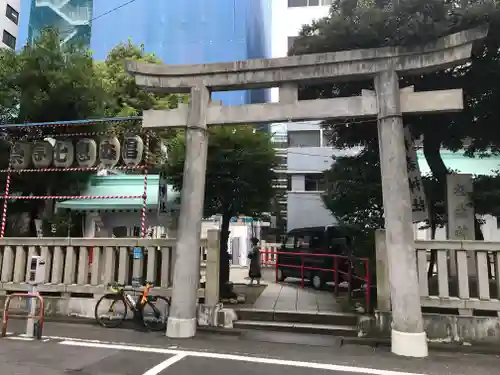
x=384 y=65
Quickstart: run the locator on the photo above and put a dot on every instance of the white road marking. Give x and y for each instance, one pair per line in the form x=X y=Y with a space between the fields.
x=163 y=365
x=232 y=357
x=20 y=338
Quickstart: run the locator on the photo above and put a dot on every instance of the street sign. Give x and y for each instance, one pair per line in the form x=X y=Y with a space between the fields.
x=162 y=195
x=138 y=253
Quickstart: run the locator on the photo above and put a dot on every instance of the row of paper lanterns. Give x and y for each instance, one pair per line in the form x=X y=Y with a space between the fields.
x=86 y=152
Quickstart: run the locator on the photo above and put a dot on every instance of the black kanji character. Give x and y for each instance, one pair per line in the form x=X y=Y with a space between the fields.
x=107 y=150
x=82 y=152
x=61 y=152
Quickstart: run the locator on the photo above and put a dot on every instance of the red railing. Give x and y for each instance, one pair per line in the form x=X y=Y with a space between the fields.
x=343 y=268
x=39 y=318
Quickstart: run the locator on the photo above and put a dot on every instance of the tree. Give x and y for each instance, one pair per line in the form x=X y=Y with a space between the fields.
x=354 y=24
x=239 y=178
x=49 y=82
x=126 y=99
x=9 y=95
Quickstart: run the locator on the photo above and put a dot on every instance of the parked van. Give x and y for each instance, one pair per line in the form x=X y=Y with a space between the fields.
x=331 y=240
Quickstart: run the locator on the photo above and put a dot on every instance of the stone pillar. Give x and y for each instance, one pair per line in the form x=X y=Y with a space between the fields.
x=89 y=225
x=383 y=282
x=182 y=319
x=408 y=336
x=212 y=269
x=461 y=217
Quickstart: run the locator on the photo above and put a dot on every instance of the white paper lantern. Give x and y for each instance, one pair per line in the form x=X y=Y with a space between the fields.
x=20 y=155
x=86 y=152
x=64 y=154
x=132 y=150
x=42 y=154
x=109 y=151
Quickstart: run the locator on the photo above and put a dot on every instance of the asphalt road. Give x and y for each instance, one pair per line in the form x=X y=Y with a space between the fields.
x=88 y=350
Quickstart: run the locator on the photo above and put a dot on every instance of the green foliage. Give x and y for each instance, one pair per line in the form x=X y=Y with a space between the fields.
x=239 y=179
x=355 y=24
x=354 y=190
x=48 y=82
x=239 y=175
x=56 y=83
x=9 y=95
x=125 y=98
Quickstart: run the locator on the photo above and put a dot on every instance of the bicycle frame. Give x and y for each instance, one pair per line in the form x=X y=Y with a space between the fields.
x=137 y=306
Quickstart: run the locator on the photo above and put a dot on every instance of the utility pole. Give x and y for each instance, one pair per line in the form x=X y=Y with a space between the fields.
x=182 y=319
x=408 y=335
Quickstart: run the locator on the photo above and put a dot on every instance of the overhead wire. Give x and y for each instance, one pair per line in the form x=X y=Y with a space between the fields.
x=87 y=23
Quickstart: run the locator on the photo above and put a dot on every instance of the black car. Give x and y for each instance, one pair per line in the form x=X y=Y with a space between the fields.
x=311 y=247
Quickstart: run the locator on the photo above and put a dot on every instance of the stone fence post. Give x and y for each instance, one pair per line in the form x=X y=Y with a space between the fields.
x=212 y=268
x=382 y=270
x=208 y=312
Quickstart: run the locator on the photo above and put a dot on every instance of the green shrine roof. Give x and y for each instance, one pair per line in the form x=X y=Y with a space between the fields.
x=120 y=185
x=458 y=162
x=133 y=185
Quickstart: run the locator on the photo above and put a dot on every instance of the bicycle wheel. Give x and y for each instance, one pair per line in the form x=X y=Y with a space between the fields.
x=115 y=310
x=155 y=313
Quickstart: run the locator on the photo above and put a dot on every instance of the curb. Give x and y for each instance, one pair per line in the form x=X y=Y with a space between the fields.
x=433 y=346
x=363 y=341
x=92 y=322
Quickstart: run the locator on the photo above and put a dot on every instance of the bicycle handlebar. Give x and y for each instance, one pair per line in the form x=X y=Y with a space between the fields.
x=121 y=286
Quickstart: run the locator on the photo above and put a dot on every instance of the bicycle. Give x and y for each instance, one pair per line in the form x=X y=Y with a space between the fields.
x=120 y=302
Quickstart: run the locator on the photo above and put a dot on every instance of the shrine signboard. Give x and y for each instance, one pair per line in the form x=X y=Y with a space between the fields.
x=417 y=194
x=162 y=195
x=460 y=216
x=460 y=207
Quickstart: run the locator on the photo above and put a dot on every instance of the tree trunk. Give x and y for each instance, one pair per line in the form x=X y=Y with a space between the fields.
x=226 y=289
x=432 y=148
x=432 y=261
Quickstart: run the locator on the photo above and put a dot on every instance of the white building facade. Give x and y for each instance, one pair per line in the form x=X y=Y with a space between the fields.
x=307 y=154
x=9 y=22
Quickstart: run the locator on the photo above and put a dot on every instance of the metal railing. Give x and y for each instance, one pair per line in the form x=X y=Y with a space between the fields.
x=343 y=270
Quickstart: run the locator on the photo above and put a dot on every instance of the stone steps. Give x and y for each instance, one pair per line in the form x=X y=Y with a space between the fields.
x=297 y=327
x=339 y=324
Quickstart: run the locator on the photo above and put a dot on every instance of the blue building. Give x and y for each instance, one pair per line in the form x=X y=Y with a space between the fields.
x=71 y=17
x=177 y=31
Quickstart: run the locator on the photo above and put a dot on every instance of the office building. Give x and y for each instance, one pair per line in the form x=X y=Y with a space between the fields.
x=189 y=32
x=71 y=17
x=177 y=31
x=9 y=22
x=305 y=156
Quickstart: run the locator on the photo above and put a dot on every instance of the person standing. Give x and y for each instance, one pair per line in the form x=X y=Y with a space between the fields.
x=254 y=255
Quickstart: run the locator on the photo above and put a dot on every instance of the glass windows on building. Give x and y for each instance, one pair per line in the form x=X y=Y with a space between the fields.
x=71 y=17
x=12 y=14
x=314 y=182
x=8 y=39
x=308 y=3
x=304 y=138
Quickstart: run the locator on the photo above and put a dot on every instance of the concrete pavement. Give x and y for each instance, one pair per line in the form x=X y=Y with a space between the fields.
x=71 y=349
